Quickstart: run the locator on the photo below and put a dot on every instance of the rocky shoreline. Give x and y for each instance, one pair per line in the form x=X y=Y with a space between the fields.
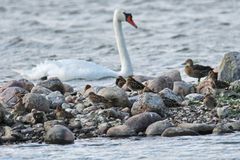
x=53 y=112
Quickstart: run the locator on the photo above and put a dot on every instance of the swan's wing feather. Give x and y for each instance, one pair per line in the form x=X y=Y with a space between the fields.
x=68 y=69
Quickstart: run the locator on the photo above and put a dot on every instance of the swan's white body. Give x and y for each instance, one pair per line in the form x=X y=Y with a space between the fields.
x=69 y=69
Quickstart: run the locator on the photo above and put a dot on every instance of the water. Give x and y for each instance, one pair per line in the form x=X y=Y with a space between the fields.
x=185 y=148
x=170 y=31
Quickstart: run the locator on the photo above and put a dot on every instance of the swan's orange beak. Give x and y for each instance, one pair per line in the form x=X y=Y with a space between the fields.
x=130 y=21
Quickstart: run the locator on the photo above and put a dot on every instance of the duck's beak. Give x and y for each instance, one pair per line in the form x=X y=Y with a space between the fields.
x=130 y=21
x=184 y=63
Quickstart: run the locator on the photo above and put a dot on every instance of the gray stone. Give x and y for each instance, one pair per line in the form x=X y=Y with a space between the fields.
x=159 y=83
x=22 y=83
x=54 y=84
x=173 y=74
x=40 y=90
x=75 y=124
x=121 y=131
x=150 y=102
x=67 y=88
x=194 y=97
x=117 y=96
x=235 y=126
x=59 y=135
x=182 y=88
x=49 y=124
x=7 y=136
x=199 y=128
x=168 y=93
x=141 y=121
x=55 y=99
x=9 y=97
x=36 y=101
x=157 y=128
x=229 y=69
x=177 y=131
x=221 y=129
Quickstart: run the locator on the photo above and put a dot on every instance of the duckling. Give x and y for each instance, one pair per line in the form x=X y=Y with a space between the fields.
x=97 y=99
x=196 y=71
x=209 y=101
x=134 y=85
x=217 y=83
x=120 y=81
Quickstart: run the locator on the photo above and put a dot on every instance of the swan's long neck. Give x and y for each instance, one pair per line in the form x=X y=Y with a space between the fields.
x=126 y=65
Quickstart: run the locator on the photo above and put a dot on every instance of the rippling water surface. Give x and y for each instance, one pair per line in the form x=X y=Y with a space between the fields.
x=170 y=31
x=185 y=148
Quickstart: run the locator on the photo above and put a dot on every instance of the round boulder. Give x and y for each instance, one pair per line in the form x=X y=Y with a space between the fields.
x=121 y=131
x=117 y=96
x=22 y=83
x=40 y=90
x=141 y=121
x=159 y=83
x=54 y=84
x=150 y=102
x=59 y=135
x=173 y=74
x=177 y=131
x=229 y=69
x=182 y=88
x=56 y=99
x=36 y=101
x=199 y=128
x=157 y=128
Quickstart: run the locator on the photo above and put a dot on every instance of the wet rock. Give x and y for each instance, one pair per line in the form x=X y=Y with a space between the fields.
x=173 y=74
x=229 y=69
x=235 y=86
x=169 y=94
x=182 y=88
x=36 y=101
x=141 y=121
x=221 y=129
x=9 y=96
x=121 y=131
x=67 y=88
x=149 y=102
x=235 y=126
x=22 y=83
x=55 y=99
x=117 y=96
x=199 y=128
x=157 y=128
x=59 y=135
x=194 y=97
x=7 y=136
x=159 y=83
x=49 y=124
x=54 y=84
x=40 y=90
x=177 y=131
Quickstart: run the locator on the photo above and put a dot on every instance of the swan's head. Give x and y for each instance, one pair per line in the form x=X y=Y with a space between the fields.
x=122 y=16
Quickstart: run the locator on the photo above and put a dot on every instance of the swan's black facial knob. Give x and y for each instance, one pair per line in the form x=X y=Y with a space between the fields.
x=128 y=17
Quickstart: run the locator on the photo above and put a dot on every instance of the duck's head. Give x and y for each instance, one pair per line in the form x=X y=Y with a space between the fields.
x=123 y=16
x=188 y=62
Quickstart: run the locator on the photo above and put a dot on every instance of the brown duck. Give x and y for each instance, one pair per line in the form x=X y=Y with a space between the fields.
x=97 y=99
x=134 y=85
x=217 y=83
x=196 y=71
x=120 y=81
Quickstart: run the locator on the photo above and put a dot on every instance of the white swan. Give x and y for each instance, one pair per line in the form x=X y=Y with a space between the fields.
x=68 y=69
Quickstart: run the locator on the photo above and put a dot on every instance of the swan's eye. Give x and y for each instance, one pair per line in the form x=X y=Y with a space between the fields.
x=127 y=16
